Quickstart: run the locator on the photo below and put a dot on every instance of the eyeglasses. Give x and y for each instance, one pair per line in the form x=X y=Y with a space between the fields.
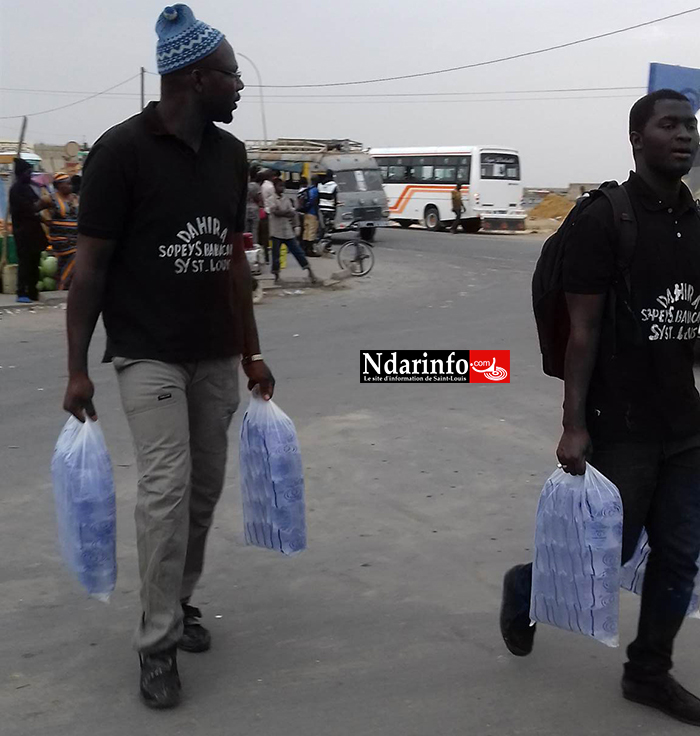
x=234 y=75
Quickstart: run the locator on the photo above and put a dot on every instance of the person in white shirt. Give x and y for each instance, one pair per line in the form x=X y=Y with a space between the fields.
x=268 y=189
x=327 y=204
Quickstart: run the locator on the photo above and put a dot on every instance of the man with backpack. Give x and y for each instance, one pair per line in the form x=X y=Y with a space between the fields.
x=307 y=206
x=617 y=300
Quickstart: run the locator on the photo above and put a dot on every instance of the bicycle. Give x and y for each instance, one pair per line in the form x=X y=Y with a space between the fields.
x=357 y=256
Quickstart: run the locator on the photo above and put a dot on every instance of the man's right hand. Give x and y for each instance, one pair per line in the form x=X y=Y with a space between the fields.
x=574 y=449
x=78 y=400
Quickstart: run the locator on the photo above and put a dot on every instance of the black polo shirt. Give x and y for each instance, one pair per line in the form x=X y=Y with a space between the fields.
x=643 y=387
x=173 y=213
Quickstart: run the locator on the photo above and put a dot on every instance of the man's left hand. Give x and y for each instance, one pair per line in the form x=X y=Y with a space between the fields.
x=260 y=375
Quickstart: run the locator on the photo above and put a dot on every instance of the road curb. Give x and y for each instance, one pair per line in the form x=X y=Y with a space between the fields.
x=46 y=299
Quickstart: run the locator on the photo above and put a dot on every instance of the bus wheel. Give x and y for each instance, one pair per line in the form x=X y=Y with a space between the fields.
x=432 y=218
x=368 y=233
x=405 y=223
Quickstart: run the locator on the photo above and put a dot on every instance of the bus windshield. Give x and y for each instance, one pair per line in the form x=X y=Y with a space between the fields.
x=359 y=180
x=500 y=166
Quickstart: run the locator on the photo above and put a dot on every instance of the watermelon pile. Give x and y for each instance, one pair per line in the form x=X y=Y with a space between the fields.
x=48 y=269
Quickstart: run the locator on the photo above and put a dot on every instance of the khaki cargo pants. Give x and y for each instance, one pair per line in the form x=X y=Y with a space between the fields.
x=179 y=415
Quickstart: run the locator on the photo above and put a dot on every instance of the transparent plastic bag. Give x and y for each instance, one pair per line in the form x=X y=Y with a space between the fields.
x=633 y=575
x=272 y=479
x=578 y=551
x=85 y=506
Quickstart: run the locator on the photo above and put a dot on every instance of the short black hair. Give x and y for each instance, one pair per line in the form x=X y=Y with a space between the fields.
x=643 y=109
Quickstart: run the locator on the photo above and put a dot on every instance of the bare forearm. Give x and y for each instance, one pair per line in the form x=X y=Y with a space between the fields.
x=581 y=353
x=84 y=307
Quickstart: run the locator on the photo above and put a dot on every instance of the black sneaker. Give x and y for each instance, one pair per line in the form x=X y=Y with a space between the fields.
x=195 y=638
x=665 y=695
x=517 y=633
x=160 y=680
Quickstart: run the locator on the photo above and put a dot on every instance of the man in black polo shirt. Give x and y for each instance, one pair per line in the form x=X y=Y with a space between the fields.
x=160 y=255
x=636 y=415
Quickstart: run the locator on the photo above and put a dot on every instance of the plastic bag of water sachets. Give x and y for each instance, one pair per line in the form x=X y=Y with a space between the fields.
x=576 y=572
x=85 y=506
x=272 y=479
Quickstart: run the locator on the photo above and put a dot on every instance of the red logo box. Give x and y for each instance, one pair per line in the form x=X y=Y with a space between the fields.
x=489 y=366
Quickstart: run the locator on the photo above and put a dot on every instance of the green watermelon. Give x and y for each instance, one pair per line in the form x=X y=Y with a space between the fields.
x=40 y=285
x=49 y=284
x=50 y=266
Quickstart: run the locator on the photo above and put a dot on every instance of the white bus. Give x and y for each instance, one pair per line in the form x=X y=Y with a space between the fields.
x=419 y=181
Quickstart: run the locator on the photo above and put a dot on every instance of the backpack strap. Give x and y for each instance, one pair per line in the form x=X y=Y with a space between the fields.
x=621 y=292
x=626 y=227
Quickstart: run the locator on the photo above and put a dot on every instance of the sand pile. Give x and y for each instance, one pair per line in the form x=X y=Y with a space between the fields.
x=552 y=206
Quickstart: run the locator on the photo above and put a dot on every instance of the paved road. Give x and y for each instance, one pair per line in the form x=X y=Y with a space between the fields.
x=419 y=496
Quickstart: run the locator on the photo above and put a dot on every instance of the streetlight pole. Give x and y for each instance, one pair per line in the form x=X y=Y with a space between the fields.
x=260 y=87
x=143 y=88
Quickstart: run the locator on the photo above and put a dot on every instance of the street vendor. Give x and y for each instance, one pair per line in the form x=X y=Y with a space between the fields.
x=63 y=227
x=25 y=209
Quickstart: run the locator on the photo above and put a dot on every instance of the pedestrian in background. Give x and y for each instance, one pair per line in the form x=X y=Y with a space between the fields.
x=63 y=227
x=328 y=205
x=30 y=238
x=307 y=206
x=262 y=178
x=253 y=206
x=177 y=329
x=457 y=207
x=283 y=219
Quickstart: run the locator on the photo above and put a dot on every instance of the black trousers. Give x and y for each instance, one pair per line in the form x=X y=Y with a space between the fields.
x=264 y=236
x=29 y=258
x=457 y=222
x=659 y=483
x=293 y=247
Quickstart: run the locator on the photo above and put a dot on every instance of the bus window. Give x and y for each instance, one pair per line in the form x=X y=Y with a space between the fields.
x=423 y=173
x=373 y=178
x=359 y=180
x=464 y=169
x=445 y=174
x=396 y=173
x=500 y=166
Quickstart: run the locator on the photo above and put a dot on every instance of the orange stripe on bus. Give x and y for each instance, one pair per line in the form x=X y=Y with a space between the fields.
x=409 y=190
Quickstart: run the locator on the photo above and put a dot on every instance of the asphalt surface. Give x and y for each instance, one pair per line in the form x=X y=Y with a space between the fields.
x=419 y=498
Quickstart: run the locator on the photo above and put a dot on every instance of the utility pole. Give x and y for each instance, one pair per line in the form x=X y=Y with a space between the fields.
x=260 y=87
x=143 y=88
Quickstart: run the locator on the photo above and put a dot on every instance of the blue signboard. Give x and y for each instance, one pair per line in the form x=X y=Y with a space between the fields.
x=681 y=78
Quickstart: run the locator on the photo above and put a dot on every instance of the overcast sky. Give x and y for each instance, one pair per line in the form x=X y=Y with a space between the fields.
x=88 y=45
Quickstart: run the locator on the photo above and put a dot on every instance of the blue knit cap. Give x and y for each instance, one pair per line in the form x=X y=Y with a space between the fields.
x=182 y=39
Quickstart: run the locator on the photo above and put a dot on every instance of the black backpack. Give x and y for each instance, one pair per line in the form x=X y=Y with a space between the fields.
x=303 y=201
x=548 y=299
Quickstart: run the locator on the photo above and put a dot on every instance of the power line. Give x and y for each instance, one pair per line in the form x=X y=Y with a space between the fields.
x=364 y=94
x=499 y=60
x=26 y=90
x=471 y=100
x=70 y=104
x=456 y=94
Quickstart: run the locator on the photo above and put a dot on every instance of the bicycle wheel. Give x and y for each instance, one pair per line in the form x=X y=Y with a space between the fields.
x=357 y=257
